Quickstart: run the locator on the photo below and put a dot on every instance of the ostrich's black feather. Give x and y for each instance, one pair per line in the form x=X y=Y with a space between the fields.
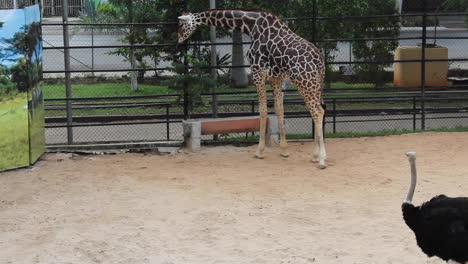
x=440 y=226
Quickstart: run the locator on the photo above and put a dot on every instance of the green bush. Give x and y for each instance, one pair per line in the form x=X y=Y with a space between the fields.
x=380 y=52
x=193 y=81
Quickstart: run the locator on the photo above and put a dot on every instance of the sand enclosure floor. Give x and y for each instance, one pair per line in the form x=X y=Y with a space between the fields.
x=224 y=206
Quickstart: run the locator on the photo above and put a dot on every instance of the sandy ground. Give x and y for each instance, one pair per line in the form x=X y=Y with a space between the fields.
x=224 y=206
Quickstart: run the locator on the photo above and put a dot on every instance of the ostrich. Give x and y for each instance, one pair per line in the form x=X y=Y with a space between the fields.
x=440 y=225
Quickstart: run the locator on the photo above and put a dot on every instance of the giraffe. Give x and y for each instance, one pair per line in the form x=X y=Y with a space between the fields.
x=276 y=54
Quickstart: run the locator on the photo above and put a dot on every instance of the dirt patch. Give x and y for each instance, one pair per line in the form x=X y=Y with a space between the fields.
x=224 y=206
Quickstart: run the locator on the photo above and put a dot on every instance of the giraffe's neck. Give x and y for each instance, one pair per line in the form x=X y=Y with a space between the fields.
x=244 y=21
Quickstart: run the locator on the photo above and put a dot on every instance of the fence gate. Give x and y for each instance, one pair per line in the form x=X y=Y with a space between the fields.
x=54 y=7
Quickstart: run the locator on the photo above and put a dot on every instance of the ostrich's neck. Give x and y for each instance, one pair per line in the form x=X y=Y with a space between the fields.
x=409 y=196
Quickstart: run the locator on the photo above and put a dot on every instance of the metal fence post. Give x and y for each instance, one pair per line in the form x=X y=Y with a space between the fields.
x=168 y=123
x=214 y=74
x=334 y=115
x=423 y=65
x=92 y=51
x=253 y=111
x=314 y=21
x=213 y=64
x=68 y=88
x=414 y=113
x=186 y=96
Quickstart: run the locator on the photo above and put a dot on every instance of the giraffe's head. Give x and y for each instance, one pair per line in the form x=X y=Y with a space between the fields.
x=187 y=25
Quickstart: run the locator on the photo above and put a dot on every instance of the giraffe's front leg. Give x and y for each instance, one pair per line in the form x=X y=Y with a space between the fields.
x=279 y=110
x=258 y=78
x=316 y=153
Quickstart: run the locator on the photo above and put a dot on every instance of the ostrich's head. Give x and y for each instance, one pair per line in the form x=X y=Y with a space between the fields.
x=411 y=156
x=188 y=23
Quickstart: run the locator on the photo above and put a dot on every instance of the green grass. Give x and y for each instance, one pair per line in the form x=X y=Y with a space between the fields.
x=103 y=90
x=14 y=142
x=124 y=89
x=337 y=85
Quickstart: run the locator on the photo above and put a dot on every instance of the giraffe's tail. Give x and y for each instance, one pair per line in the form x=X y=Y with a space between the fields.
x=324 y=106
x=322 y=79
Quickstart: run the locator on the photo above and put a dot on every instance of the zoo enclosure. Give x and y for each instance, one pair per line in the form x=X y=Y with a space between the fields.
x=352 y=106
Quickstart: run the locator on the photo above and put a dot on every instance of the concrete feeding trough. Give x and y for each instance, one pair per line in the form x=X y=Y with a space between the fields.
x=194 y=129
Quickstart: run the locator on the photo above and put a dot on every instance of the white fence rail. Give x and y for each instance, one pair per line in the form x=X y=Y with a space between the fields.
x=54 y=7
x=49 y=7
x=12 y=4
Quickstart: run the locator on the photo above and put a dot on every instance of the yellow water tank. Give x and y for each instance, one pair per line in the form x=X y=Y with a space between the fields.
x=409 y=73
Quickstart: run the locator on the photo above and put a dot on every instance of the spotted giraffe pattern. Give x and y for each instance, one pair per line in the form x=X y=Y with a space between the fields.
x=276 y=54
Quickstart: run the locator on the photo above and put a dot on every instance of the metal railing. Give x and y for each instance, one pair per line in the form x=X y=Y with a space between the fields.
x=349 y=106
x=52 y=8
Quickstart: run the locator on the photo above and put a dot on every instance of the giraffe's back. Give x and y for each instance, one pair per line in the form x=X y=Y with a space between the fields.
x=282 y=52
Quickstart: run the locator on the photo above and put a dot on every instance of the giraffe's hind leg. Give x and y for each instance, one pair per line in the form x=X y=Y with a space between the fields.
x=258 y=78
x=311 y=91
x=319 y=154
x=279 y=110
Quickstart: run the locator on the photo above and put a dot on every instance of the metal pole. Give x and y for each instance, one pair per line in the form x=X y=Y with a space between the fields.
x=68 y=88
x=15 y=4
x=423 y=66
x=314 y=20
x=314 y=35
x=186 y=98
x=184 y=58
x=214 y=74
x=334 y=116
x=414 y=113
x=168 y=127
x=92 y=50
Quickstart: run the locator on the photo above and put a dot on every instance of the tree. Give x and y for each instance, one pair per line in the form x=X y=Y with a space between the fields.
x=376 y=50
x=6 y=86
x=25 y=42
x=33 y=39
x=3 y=54
x=193 y=81
x=335 y=27
x=20 y=75
x=147 y=11
x=121 y=11
x=456 y=5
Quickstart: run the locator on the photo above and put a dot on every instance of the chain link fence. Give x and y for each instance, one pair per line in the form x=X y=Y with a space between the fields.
x=361 y=91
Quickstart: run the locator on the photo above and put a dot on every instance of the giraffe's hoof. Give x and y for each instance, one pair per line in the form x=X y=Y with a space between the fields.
x=285 y=155
x=315 y=160
x=321 y=166
x=259 y=156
